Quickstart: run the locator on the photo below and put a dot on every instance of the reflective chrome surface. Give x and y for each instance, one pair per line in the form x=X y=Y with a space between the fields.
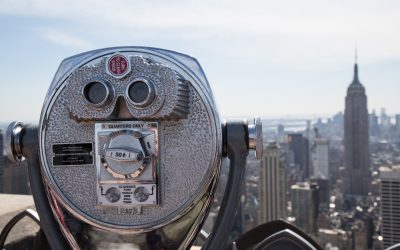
x=176 y=230
x=130 y=155
x=13 y=142
x=184 y=143
x=256 y=137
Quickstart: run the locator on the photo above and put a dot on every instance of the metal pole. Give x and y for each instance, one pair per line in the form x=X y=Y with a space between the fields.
x=236 y=138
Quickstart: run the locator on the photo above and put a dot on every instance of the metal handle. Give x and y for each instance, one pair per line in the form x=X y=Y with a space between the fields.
x=13 y=137
x=237 y=151
x=22 y=143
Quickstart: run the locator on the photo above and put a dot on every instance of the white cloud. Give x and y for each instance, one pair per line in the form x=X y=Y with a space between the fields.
x=284 y=45
x=62 y=38
x=288 y=33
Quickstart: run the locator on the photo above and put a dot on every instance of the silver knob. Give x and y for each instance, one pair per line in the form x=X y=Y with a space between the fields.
x=14 y=142
x=256 y=137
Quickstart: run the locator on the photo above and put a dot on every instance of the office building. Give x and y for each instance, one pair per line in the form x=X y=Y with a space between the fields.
x=272 y=191
x=299 y=146
x=320 y=158
x=384 y=118
x=323 y=192
x=280 y=132
x=390 y=204
x=373 y=124
x=304 y=197
x=397 y=124
x=356 y=138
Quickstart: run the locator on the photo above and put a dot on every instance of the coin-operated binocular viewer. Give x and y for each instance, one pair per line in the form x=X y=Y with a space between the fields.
x=128 y=152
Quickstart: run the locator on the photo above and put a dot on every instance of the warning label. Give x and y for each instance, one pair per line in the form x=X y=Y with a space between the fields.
x=72 y=154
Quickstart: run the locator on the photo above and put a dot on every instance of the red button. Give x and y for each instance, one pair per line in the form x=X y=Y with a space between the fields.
x=117 y=65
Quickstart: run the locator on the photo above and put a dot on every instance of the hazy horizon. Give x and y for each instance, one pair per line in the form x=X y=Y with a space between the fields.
x=263 y=58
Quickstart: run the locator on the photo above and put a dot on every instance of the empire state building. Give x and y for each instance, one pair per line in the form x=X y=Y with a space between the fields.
x=356 y=137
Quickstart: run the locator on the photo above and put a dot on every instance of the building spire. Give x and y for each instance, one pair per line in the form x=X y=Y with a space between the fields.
x=355 y=53
x=355 y=79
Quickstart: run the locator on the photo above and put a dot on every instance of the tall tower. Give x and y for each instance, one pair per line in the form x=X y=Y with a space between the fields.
x=320 y=158
x=356 y=137
x=390 y=211
x=272 y=189
x=299 y=145
x=304 y=197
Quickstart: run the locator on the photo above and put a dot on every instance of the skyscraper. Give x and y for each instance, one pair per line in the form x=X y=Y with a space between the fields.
x=299 y=145
x=385 y=119
x=373 y=124
x=356 y=137
x=320 y=158
x=304 y=197
x=272 y=189
x=397 y=124
x=280 y=133
x=390 y=205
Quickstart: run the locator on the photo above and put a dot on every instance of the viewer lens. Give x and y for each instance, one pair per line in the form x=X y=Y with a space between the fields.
x=140 y=93
x=95 y=92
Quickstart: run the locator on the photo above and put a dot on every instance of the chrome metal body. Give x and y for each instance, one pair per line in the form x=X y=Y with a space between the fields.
x=85 y=149
x=13 y=142
x=175 y=221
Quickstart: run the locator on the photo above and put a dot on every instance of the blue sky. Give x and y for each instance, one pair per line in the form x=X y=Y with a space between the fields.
x=270 y=58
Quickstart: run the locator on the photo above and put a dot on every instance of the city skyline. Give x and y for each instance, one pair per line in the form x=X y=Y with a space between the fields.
x=287 y=59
